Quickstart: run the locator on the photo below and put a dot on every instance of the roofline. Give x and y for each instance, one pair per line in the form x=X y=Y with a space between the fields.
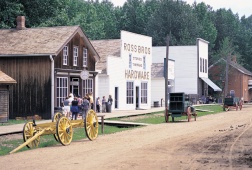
x=230 y=65
x=89 y=44
x=24 y=55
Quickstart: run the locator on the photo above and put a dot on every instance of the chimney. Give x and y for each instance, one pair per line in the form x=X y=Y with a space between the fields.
x=234 y=59
x=20 y=22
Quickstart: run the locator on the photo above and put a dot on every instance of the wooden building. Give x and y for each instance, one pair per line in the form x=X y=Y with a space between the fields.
x=239 y=78
x=5 y=84
x=46 y=63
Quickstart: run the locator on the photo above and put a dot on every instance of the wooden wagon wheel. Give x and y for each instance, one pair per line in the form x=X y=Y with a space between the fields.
x=64 y=130
x=166 y=116
x=236 y=106
x=55 y=118
x=240 y=105
x=189 y=114
x=91 y=125
x=28 y=132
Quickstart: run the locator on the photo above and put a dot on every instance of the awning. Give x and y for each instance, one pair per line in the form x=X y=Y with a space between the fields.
x=211 y=84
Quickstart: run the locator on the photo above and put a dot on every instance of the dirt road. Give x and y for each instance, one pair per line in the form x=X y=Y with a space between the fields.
x=221 y=141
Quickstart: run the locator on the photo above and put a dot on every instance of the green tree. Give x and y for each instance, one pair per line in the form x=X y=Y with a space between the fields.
x=9 y=11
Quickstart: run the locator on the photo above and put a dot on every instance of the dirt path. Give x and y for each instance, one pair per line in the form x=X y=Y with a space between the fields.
x=221 y=141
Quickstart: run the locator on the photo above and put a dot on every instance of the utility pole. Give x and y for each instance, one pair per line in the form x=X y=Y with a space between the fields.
x=166 y=75
x=226 y=81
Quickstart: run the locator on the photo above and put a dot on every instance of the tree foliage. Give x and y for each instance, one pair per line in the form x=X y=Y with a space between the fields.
x=156 y=18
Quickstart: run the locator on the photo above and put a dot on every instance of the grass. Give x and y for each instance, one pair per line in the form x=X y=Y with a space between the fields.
x=158 y=117
x=79 y=133
x=7 y=146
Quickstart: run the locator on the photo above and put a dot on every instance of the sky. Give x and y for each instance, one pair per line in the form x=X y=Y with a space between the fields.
x=242 y=7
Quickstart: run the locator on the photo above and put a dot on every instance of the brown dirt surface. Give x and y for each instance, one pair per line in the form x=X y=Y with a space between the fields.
x=219 y=141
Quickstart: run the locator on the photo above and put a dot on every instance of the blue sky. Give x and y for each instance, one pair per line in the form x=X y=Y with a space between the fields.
x=242 y=7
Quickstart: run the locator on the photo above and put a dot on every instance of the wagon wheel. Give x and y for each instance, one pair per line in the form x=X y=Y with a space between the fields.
x=166 y=116
x=189 y=114
x=64 y=131
x=91 y=125
x=240 y=105
x=28 y=132
x=55 y=119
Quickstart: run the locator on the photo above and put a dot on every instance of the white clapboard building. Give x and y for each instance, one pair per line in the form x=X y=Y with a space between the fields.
x=191 y=68
x=124 y=71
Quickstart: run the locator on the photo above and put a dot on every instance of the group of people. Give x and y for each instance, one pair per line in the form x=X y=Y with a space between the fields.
x=103 y=104
x=74 y=105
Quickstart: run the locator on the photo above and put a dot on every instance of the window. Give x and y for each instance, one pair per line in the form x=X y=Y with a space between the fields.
x=87 y=86
x=75 y=56
x=130 y=92
x=200 y=64
x=144 y=62
x=65 y=55
x=203 y=65
x=62 y=90
x=206 y=68
x=144 y=92
x=130 y=61
x=85 y=57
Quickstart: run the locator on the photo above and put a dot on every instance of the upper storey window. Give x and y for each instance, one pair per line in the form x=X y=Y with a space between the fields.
x=65 y=55
x=85 y=56
x=75 y=56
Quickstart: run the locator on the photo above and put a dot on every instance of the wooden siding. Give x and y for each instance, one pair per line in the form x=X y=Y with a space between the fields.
x=32 y=93
x=4 y=107
x=76 y=41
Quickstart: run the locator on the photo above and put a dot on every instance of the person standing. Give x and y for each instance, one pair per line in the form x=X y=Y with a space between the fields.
x=103 y=104
x=110 y=101
x=74 y=109
x=79 y=103
x=98 y=104
x=85 y=107
x=91 y=101
x=66 y=107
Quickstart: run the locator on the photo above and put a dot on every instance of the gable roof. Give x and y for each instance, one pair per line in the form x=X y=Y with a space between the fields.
x=5 y=79
x=235 y=65
x=106 y=48
x=157 y=70
x=39 y=41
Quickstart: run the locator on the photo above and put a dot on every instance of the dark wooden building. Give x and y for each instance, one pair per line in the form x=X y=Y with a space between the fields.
x=239 y=78
x=46 y=63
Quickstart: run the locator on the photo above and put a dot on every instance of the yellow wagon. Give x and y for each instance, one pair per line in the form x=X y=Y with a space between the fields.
x=61 y=127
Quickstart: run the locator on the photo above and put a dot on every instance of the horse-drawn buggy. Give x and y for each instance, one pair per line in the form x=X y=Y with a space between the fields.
x=180 y=105
x=61 y=128
x=232 y=102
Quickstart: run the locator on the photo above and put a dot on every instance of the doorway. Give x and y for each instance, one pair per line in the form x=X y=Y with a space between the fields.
x=116 y=98
x=137 y=97
x=74 y=86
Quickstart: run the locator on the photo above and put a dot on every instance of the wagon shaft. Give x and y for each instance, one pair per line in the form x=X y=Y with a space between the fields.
x=28 y=141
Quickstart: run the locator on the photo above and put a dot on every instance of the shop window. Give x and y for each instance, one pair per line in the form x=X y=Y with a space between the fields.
x=206 y=67
x=87 y=86
x=62 y=90
x=85 y=56
x=75 y=56
x=65 y=55
x=144 y=92
x=130 y=92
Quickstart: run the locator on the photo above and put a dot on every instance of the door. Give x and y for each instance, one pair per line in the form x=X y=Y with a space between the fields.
x=74 y=86
x=116 y=98
x=137 y=97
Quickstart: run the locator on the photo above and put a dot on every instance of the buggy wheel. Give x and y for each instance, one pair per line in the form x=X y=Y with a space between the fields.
x=91 y=125
x=55 y=118
x=28 y=132
x=240 y=105
x=64 y=131
x=166 y=116
x=189 y=113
